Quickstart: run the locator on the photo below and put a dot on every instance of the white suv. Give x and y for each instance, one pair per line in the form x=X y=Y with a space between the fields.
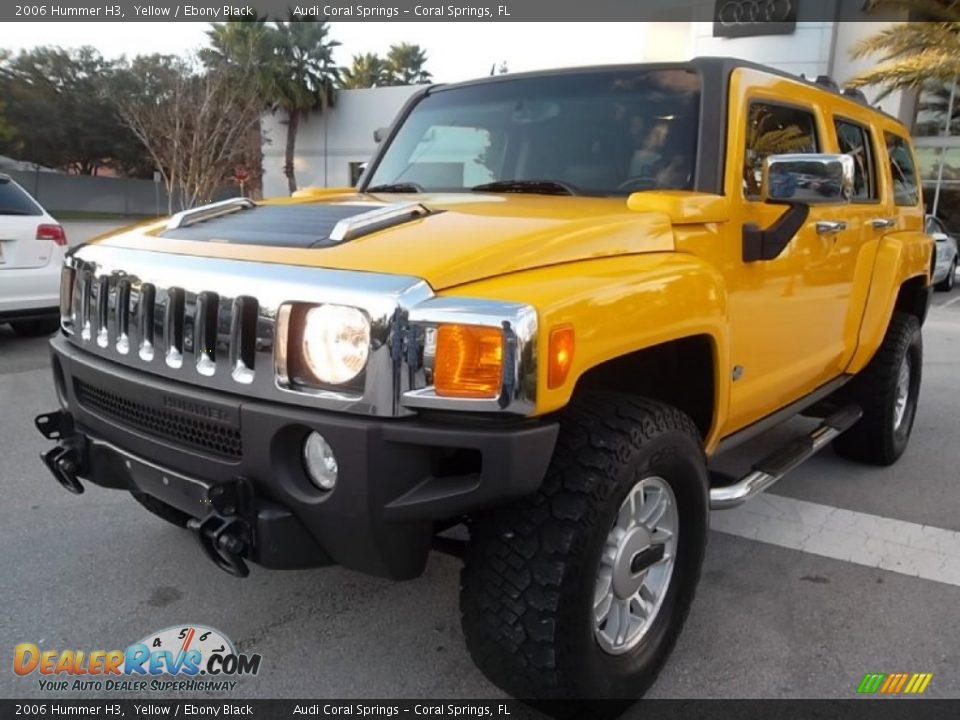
x=32 y=246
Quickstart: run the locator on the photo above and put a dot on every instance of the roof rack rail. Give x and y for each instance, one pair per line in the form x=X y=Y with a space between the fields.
x=208 y=212
x=856 y=94
x=827 y=82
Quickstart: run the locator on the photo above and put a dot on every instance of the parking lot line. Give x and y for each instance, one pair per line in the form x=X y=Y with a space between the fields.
x=920 y=551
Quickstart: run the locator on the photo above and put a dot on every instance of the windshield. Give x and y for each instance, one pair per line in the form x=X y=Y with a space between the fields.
x=603 y=132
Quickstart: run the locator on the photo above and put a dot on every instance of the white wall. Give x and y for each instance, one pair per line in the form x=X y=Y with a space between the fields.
x=328 y=143
x=814 y=48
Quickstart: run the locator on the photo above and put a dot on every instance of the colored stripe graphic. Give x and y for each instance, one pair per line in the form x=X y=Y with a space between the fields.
x=871 y=682
x=894 y=683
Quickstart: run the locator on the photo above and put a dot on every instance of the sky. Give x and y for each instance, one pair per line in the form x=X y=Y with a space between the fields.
x=455 y=51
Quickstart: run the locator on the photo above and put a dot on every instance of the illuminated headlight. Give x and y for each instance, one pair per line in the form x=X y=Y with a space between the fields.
x=336 y=343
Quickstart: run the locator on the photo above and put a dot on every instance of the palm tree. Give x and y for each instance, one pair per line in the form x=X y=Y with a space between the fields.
x=306 y=79
x=913 y=53
x=366 y=71
x=249 y=43
x=406 y=65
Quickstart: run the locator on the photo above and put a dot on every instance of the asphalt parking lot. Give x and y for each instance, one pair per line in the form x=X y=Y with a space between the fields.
x=844 y=570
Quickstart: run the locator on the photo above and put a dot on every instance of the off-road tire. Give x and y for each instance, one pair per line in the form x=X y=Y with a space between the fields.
x=528 y=581
x=162 y=510
x=35 y=328
x=946 y=285
x=874 y=440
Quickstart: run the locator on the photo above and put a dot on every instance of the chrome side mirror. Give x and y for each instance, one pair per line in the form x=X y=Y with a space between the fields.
x=807 y=179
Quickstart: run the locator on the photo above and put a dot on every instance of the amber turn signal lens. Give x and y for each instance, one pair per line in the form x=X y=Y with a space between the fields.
x=561 y=355
x=469 y=361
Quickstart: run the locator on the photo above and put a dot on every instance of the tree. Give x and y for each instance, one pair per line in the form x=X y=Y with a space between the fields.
x=307 y=80
x=7 y=130
x=193 y=121
x=406 y=65
x=58 y=106
x=913 y=53
x=244 y=43
x=248 y=42
x=366 y=71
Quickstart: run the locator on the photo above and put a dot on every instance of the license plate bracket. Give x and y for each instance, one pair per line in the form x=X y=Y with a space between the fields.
x=185 y=493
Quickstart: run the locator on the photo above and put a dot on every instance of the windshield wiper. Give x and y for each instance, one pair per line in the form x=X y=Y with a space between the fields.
x=540 y=187
x=401 y=187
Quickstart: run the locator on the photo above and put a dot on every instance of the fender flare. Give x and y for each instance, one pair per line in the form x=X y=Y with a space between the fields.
x=900 y=257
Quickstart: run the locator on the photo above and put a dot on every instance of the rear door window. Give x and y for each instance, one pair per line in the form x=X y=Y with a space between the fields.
x=15 y=201
x=854 y=140
x=905 y=190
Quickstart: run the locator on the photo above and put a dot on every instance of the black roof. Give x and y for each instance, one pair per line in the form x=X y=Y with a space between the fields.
x=718 y=67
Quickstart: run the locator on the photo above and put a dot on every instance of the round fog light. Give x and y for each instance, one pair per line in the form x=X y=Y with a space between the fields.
x=320 y=462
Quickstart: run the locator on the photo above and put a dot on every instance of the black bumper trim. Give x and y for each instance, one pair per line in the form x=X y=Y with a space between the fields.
x=398 y=478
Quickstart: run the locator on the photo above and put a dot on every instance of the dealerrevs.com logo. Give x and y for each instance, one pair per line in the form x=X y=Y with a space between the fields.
x=181 y=658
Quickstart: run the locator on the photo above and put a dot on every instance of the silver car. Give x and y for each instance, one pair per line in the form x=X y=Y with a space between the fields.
x=945 y=270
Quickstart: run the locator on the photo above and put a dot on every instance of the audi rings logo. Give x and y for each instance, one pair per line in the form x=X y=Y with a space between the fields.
x=742 y=18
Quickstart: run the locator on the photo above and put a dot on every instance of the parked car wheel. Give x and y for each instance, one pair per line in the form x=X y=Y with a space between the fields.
x=887 y=391
x=162 y=510
x=950 y=280
x=35 y=328
x=580 y=590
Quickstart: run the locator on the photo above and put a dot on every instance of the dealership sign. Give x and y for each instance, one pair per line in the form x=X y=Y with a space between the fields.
x=745 y=18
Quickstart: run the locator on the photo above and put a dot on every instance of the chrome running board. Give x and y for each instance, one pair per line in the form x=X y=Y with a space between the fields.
x=781 y=461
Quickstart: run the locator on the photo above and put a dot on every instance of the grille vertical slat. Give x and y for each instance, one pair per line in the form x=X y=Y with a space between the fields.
x=122 y=315
x=103 y=311
x=145 y=321
x=82 y=303
x=172 y=328
x=205 y=332
x=243 y=339
x=224 y=339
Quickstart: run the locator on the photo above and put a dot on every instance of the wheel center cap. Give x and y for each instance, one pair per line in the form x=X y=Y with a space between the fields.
x=631 y=563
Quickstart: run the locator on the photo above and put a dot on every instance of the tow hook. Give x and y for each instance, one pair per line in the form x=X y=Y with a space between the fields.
x=65 y=461
x=224 y=534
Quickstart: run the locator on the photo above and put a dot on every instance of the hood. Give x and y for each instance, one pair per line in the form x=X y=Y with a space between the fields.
x=463 y=238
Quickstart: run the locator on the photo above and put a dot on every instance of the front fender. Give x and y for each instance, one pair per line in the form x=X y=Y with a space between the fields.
x=617 y=306
x=901 y=256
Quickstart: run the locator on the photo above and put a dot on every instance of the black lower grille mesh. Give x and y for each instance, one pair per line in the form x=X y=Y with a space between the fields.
x=210 y=437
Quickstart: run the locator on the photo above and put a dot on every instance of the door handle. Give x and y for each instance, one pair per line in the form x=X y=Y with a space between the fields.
x=881 y=223
x=830 y=227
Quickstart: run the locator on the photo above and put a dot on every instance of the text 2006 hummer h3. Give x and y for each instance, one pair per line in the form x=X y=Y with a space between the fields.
x=552 y=298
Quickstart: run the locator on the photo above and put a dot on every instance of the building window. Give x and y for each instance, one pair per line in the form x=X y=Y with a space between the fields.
x=774 y=130
x=854 y=140
x=932 y=106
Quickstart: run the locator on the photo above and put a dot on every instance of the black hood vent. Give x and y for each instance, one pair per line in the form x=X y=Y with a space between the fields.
x=297 y=226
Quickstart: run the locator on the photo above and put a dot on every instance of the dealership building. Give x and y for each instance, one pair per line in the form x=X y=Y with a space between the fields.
x=332 y=147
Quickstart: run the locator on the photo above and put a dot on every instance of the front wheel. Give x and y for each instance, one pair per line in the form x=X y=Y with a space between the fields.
x=580 y=590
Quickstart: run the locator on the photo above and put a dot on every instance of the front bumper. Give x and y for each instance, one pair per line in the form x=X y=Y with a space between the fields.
x=398 y=478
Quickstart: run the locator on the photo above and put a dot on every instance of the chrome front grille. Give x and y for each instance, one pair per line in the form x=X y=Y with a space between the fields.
x=212 y=322
x=126 y=316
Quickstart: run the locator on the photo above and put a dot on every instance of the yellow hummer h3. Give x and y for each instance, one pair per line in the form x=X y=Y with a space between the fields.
x=550 y=300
